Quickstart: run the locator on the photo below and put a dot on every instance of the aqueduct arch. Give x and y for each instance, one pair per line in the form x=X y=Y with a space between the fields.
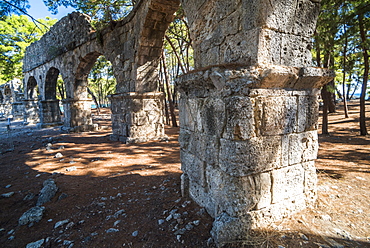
x=248 y=112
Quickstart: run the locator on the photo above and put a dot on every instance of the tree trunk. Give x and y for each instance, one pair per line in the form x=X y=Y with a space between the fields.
x=325 y=95
x=363 y=129
x=94 y=99
x=172 y=109
x=344 y=74
x=331 y=99
x=161 y=80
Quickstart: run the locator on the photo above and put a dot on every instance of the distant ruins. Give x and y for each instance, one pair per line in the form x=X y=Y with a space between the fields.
x=11 y=100
x=248 y=112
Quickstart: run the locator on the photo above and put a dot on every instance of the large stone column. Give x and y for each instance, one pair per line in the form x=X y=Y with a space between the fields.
x=77 y=115
x=50 y=113
x=137 y=117
x=31 y=111
x=248 y=114
x=247 y=148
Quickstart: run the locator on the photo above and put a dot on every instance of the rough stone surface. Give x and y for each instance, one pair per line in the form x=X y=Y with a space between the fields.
x=247 y=149
x=36 y=244
x=47 y=192
x=248 y=113
x=32 y=215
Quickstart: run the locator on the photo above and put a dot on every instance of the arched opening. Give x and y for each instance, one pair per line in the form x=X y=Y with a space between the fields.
x=93 y=82
x=50 y=113
x=101 y=83
x=51 y=83
x=32 y=88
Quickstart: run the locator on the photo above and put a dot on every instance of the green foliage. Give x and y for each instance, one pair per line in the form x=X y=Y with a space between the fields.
x=101 y=11
x=9 y=7
x=101 y=80
x=17 y=33
x=177 y=47
x=337 y=41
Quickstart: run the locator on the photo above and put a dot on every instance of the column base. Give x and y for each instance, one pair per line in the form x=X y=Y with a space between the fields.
x=77 y=116
x=137 y=117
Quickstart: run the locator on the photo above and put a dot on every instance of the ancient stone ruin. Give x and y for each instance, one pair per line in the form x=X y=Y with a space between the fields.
x=11 y=97
x=248 y=112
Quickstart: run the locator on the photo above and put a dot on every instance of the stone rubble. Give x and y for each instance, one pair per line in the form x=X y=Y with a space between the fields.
x=32 y=215
x=47 y=192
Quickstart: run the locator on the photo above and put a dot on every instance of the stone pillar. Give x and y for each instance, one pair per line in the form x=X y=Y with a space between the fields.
x=137 y=117
x=17 y=110
x=50 y=113
x=31 y=111
x=248 y=143
x=77 y=115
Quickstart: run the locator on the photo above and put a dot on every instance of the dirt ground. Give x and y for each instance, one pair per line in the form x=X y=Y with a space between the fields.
x=119 y=195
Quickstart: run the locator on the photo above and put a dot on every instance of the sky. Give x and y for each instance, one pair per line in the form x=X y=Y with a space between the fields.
x=39 y=10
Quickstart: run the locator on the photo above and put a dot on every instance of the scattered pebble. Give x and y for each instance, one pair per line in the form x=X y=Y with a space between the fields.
x=73 y=168
x=112 y=230
x=7 y=195
x=58 y=155
x=160 y=222
x=135 y=233
x=304 y=237
x=8 y=186
x=196 y=222
x=60 y=223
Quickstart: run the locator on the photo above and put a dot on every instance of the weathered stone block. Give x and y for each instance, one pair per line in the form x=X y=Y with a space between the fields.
x=287 y=183
x=302 y=147
x=242 y=158
x=193 y=167
x=240 y=123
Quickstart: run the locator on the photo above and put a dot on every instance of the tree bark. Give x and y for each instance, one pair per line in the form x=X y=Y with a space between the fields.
x=363 y=129
x=344 y=74
x=172 y=109
x=94 y=99
x=325 y=95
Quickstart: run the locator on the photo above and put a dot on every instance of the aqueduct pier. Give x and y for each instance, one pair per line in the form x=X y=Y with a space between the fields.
x=248 y=112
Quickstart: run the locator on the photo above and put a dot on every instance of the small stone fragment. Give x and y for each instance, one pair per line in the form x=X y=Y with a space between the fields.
x=135 y=233
x=7 y=195
x=196 y=222
x=47 y=192
x=32 y=215
x=116 y=222
x=73 y=168
x=29 y=196
x=189 y=227
x=8 y=186
x=62 y=196
x=71 y=224
x=160 y=222
x=58 y=155
x=60 y=223
x=36 y=244
x=112 y=230
x=118 y=213
x=304 y=237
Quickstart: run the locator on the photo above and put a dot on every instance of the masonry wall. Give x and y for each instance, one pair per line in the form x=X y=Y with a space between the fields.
x=248 y=143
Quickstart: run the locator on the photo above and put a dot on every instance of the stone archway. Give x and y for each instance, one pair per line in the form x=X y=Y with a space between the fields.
x=30 y=101
x=50 y=114
x=77 y=106
x=31 y=90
